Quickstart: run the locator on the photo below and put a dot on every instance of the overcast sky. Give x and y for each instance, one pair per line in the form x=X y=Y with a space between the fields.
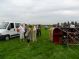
x=39 y=11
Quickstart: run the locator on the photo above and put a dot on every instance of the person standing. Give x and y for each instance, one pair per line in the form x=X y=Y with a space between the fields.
x=26 y=27
x=51 y=33
x=34 y=31
x=21 y=31
x=38 y=30
x=29 y=34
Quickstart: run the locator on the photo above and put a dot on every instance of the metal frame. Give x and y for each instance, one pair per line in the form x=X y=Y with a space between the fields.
x=72 y=38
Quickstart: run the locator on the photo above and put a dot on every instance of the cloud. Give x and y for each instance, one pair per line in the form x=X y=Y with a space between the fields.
x=39 y=11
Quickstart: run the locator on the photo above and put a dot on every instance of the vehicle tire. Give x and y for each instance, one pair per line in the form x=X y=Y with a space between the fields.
x=7 y=38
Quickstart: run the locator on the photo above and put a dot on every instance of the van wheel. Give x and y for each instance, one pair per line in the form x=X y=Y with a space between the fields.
x=7 y=38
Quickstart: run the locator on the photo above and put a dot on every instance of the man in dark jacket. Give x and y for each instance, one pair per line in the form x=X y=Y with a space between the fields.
x=39 y=30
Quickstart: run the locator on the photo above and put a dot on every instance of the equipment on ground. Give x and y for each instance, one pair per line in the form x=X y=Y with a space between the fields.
x=66 y=36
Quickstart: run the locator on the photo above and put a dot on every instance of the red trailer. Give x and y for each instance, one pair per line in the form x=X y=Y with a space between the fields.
x=57 y=36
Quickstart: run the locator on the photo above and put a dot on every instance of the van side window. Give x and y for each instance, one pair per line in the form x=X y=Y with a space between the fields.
x=17 y=25
x=12 y=25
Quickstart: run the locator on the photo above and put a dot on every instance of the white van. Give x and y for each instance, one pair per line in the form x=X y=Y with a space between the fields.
x=8 y=30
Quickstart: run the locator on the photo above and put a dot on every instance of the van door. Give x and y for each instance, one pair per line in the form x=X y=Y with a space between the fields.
x=11 y=29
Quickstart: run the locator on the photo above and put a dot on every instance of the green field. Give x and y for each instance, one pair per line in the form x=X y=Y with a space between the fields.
x=42 y=49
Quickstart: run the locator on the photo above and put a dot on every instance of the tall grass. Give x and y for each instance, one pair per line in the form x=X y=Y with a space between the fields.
x=42 y=49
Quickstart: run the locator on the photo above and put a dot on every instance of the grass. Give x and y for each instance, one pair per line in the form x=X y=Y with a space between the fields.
x=42 y=49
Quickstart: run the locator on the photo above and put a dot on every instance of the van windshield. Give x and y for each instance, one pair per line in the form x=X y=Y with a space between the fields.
x=3 y=25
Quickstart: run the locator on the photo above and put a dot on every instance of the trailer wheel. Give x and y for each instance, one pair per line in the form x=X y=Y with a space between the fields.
x=7 y=38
